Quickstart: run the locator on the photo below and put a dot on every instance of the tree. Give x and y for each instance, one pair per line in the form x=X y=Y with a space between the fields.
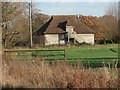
x=112 y=24
x=16 y=22
x=111 y=20
x=112 y=9
x=14 y=15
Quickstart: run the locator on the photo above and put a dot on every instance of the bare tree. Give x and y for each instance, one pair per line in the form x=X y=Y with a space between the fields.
x=12 y=12
x=16 y=23
x=111 y=23
x=111 y=20
x=112 y=9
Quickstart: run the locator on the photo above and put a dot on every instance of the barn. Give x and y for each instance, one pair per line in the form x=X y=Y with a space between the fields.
x=63 y=29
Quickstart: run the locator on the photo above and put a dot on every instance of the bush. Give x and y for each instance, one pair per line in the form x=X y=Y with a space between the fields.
x=40 y=74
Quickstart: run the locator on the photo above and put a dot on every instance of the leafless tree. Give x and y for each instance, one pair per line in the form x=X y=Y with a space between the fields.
x=112 y=9
x=16 y=22
x=12 y=12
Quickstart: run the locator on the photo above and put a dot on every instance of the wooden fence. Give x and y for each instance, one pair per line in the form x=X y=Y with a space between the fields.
x=58 y=54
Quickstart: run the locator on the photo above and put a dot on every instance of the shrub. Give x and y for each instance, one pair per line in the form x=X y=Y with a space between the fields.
x=36 y=73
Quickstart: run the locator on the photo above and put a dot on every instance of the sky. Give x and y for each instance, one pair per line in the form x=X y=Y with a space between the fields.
x=70 y=7
x=75 y=0
x=73 y=8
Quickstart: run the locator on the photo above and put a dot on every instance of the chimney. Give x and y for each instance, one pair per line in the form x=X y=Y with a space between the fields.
x=78 y=16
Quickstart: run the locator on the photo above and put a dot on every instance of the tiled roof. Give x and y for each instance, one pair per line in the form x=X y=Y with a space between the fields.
x=58 y=25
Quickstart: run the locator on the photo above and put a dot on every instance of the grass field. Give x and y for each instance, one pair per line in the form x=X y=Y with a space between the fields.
x=92 y=52
x=88 y=51
x=93 y=55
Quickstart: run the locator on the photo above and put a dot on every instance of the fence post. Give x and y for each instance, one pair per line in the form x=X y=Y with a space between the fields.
x=64 y=56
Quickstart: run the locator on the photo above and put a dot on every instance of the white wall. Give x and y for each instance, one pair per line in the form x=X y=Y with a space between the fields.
x=54 y=39
x=51 y=39
x=88 y=38
x=62 y=42
x=69 y=29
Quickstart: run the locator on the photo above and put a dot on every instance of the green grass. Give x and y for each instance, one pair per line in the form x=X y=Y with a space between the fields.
x=81 y=53
x=92 y=52
x=77 y=52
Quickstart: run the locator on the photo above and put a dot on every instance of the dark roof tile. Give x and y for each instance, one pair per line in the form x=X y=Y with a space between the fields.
x=58 y=25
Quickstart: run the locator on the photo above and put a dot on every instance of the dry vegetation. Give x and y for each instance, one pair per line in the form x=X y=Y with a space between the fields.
x=36 y=73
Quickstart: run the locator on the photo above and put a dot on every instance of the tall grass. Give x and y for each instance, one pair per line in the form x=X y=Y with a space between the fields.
x=37 y=73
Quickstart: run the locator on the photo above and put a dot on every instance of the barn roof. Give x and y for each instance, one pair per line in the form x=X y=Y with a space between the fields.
x=57 y=24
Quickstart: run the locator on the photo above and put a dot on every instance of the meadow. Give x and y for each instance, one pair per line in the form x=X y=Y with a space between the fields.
x=88 y=51
x=88 y=55
x=93 y=55
x=103 y=51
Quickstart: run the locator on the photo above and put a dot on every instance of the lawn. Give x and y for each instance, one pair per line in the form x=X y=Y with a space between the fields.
x=90 y=54
x=84 y=51
x=88 y=51
x=97 y=51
